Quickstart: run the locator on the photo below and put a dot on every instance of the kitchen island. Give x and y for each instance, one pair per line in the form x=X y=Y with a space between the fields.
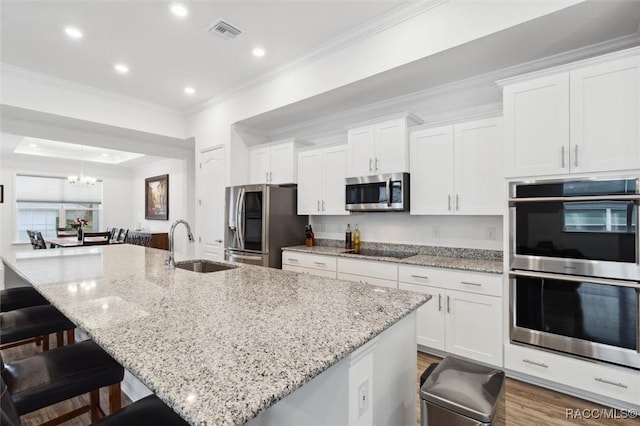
x=249 y=344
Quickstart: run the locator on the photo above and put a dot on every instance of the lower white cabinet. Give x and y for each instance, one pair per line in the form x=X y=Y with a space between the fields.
x=368 y=280
x=465 y=323
x=309 y=263
x=372 y=272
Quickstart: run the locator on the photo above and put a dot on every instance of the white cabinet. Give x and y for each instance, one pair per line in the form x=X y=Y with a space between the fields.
x=457 y=169
x=464 y=316
x=379 y=147
x=309 y=263
x=577 y=121
x=274 y=164
x=321 y=181
x=368 y=271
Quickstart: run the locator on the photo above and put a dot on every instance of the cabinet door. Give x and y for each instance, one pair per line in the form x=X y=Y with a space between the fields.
x=360 y=154
x=479 y=176
x=430 y=316
x=282 y=168
x=536 y=120
x=474 y=326
x=310 y=182
x=390 y=146
x=333 y=179
x=605 y=116
x=259 y=165
x=432 y=171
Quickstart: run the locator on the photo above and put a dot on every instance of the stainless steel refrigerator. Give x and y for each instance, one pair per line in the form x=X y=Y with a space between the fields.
x=260 y=220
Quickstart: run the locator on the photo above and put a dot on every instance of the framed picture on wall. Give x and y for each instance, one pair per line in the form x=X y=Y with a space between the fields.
x=156 y=198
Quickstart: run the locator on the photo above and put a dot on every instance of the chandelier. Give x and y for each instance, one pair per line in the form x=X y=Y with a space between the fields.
x=81 y=180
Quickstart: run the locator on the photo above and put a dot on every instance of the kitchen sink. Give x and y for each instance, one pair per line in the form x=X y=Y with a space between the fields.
x=203 y=266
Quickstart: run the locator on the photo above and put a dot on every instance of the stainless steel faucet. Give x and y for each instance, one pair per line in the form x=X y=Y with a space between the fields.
x=170 y=262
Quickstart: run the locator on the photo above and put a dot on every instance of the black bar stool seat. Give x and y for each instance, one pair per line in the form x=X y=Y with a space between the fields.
x=147 y=411
x=50 y=377
x=27 y=323
x=20 y=297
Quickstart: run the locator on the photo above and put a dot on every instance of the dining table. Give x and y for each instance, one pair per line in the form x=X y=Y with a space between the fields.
x=74 y=242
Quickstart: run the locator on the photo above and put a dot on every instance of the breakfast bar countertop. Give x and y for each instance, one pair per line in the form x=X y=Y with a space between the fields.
x=219 y=347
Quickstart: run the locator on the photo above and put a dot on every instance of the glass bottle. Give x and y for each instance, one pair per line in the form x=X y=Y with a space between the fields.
x=348 y=243
x=356 y=239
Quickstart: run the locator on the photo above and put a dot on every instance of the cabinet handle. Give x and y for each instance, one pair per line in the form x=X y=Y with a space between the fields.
x=320 y=263
x=575 y=152
x=318 y=205
x=292 y=260
x=218 y=241
x=370 y=160
x=439 y=303
x=376 y=169
x=470 y=283
x=266 y=176
x=562 y=156
x=620 y=385
x=322 y=205
x=457 y=202
x=448 y=304
x=420 y=276
x=539 y=364
x=449 y=202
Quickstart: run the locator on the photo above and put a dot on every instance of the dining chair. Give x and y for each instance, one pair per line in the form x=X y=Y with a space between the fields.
x=88 y=235
x=47 y=378
x=115 y=233
x=40 y=243
x=32 y=239
x=122 y=238
x=66 y=232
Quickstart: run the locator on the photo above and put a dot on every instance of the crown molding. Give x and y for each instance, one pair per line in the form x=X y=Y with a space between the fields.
x=368 y=29
x=70 y=85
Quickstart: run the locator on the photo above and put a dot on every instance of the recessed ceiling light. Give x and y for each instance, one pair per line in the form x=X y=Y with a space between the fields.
x=33 y=145
x=73 y=32
x=189 y=90
x=258 y=52
x=179 y=10
x=121 y=68
x=105 y=155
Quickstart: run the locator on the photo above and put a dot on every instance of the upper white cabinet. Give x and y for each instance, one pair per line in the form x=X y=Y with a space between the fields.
x=274 y=164
x=578 y=121
x=379 y=147
x=321 y=175
x=457 y=169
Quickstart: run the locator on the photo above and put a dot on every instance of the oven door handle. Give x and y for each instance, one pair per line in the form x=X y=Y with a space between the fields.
x=388 y=191
x=629 y=197
x=574 y=278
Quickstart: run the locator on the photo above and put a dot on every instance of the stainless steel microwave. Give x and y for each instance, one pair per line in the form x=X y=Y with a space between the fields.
x=378 y=193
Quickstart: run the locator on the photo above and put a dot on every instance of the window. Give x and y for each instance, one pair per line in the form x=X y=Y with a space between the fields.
x=47 y=203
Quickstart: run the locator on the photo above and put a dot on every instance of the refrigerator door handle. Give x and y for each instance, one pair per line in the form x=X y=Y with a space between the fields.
x=241 y=217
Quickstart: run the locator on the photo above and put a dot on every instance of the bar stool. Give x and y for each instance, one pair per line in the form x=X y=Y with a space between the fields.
x=149 y=410
x=47 y=378
x=27 y=325
x=20 y=297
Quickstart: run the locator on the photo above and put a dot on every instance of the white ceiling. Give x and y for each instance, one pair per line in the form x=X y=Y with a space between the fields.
x=166 y=53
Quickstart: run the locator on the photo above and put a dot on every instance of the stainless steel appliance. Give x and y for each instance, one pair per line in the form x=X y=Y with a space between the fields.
x=575 y=268
x=377 y=193
x=261 y=219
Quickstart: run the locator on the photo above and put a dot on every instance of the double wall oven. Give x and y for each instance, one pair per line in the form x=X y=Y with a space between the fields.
x=575 y=267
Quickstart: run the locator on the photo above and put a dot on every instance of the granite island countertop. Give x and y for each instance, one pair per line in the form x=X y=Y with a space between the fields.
x=219 y=347
x=448 y=262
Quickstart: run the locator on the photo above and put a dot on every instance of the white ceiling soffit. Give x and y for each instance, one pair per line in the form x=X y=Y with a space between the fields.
x=164 y=53
x=56 y=149
x=574 y=33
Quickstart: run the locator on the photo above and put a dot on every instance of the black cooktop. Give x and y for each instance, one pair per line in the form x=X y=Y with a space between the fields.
x=383 y=253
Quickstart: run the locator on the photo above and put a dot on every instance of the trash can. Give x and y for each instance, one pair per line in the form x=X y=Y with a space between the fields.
x=455 y=392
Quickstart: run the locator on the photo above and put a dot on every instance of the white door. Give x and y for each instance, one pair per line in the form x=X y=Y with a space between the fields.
x=360 y=151
x=333 y=177
x=430 y=316
x=390 y=147
x=479 y=173
x=474 y=326
x=310 y=182
x=605 y=116
x=211 y=213
x=259 y=165
x=536 y=121
x=432 y=171
x=281 y=164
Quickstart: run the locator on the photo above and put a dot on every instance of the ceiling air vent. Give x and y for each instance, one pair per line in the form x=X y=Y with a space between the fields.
x=223 y=29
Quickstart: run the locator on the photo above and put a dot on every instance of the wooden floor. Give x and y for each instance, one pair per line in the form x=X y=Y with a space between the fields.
x=526 y=405
x=529 y=405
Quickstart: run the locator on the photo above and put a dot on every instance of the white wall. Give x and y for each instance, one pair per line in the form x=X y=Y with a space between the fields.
x=402 y=228
x=180 y=202
x=117 y=188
